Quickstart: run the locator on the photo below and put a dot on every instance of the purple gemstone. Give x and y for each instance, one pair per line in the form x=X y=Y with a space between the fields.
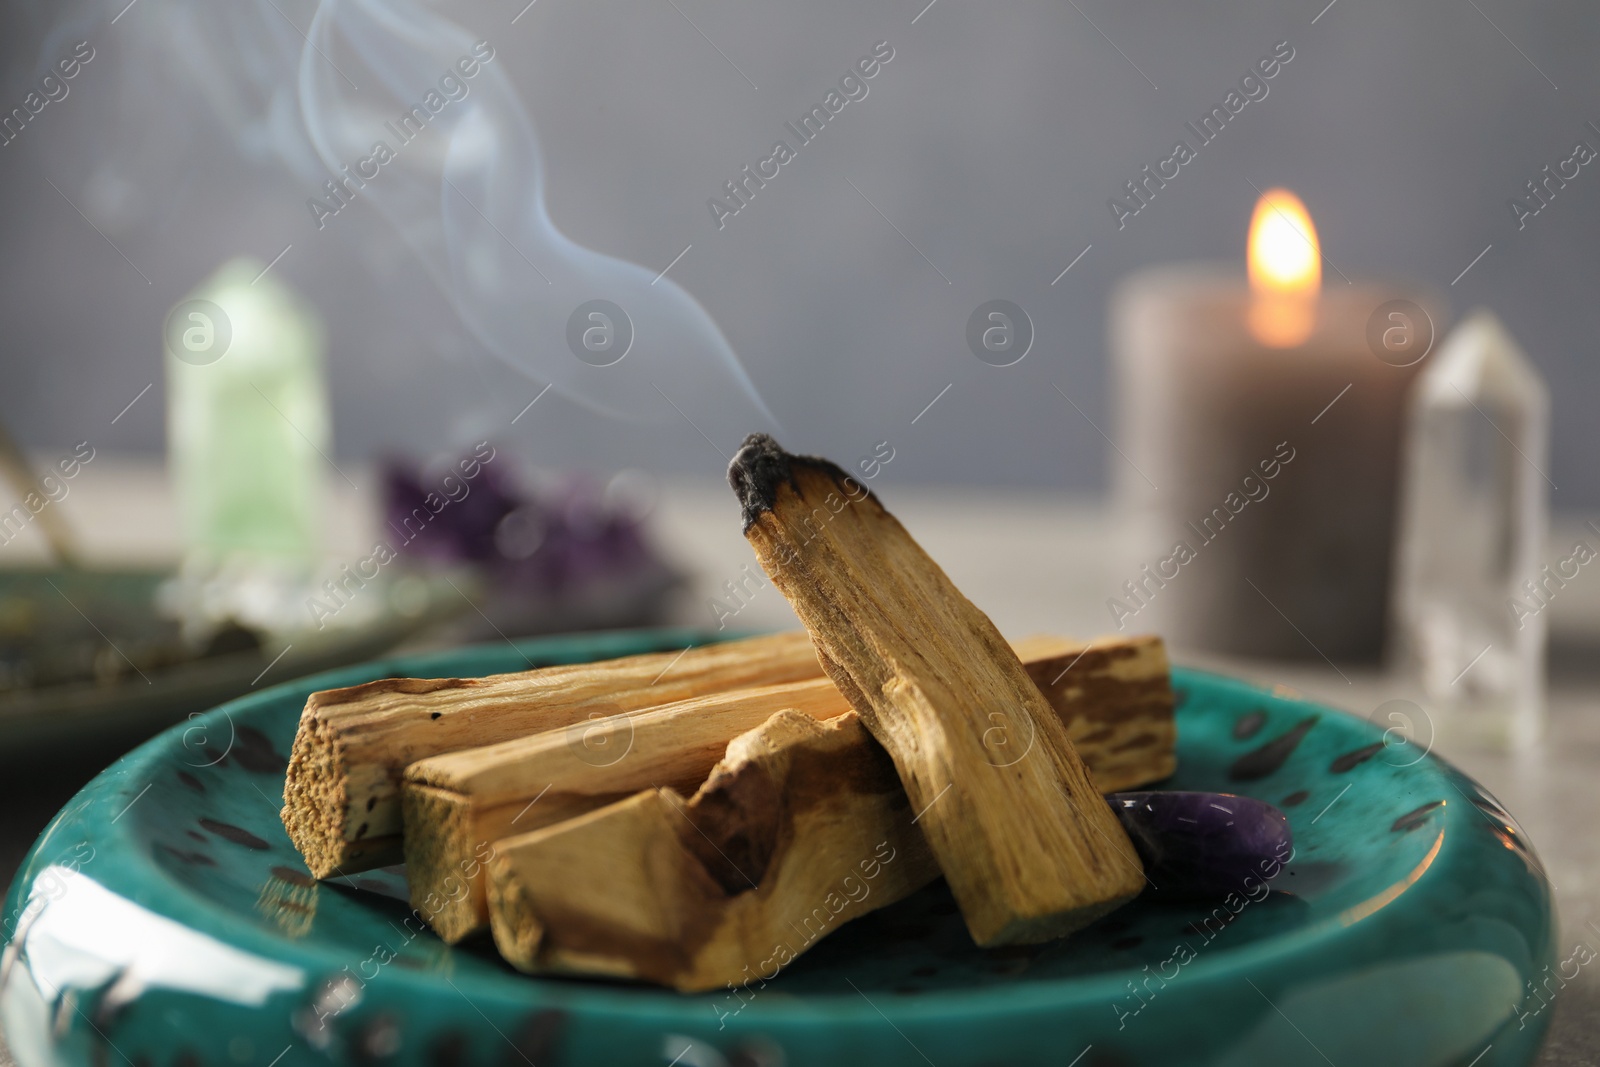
x=566 y=539
x=459 y=521
x=1205 y=844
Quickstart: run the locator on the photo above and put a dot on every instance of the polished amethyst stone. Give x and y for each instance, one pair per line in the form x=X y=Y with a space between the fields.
x=1205 y=844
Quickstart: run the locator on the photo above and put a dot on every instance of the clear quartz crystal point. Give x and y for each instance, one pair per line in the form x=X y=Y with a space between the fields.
x=1473 y=520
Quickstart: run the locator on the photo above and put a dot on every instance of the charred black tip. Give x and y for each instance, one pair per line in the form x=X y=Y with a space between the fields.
x=755 y=473
x=761 y=466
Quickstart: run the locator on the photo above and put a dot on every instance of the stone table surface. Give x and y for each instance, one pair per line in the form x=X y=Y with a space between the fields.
x=1034 y=562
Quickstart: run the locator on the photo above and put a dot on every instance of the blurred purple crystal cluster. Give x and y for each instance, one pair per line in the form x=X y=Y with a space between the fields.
x=570 y=554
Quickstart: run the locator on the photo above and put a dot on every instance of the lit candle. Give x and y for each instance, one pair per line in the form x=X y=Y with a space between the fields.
x=1258 y=437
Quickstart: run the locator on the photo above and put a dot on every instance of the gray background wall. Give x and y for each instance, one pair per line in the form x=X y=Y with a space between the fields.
x=992 y=141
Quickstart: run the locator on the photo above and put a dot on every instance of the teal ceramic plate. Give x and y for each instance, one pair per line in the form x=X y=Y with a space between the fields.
x=164 y=918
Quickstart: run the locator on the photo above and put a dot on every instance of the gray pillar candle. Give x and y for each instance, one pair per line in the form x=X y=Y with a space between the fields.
x=1257 y=483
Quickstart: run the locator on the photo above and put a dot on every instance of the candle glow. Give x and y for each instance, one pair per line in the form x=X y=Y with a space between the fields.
x=1285 y=262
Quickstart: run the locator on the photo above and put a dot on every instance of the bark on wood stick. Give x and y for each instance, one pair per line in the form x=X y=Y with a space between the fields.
x=803 y=827
x=1114 y=696
x=342 y=790
x=1112 y=692
x=1030 y=850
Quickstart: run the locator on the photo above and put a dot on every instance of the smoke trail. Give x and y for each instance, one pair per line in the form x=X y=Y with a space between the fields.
x=467 y=194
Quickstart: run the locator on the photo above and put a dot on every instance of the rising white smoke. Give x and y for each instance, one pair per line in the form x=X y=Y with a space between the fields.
x=467 y=194
x=207 y=84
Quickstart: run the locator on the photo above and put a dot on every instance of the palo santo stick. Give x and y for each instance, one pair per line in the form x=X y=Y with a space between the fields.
x=803 y=827
x=342 y=790
x=1029 y=849
x=458 y=805
x=1114 y=696
x=1113 y=693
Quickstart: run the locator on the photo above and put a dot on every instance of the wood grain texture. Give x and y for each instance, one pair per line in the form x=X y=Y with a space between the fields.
x=801 y=828
x=1113 y=692
x=1007 y=806
x=456 y=804
x=342 y=789
x=1114 y=696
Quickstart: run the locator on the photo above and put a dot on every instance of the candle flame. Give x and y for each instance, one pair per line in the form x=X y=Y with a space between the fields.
x=1285 y=270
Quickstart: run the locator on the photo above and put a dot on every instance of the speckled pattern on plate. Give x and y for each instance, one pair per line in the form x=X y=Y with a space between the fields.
x=164 y=918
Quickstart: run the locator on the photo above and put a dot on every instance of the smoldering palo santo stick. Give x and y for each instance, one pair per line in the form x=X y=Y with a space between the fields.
x=1030 y=850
